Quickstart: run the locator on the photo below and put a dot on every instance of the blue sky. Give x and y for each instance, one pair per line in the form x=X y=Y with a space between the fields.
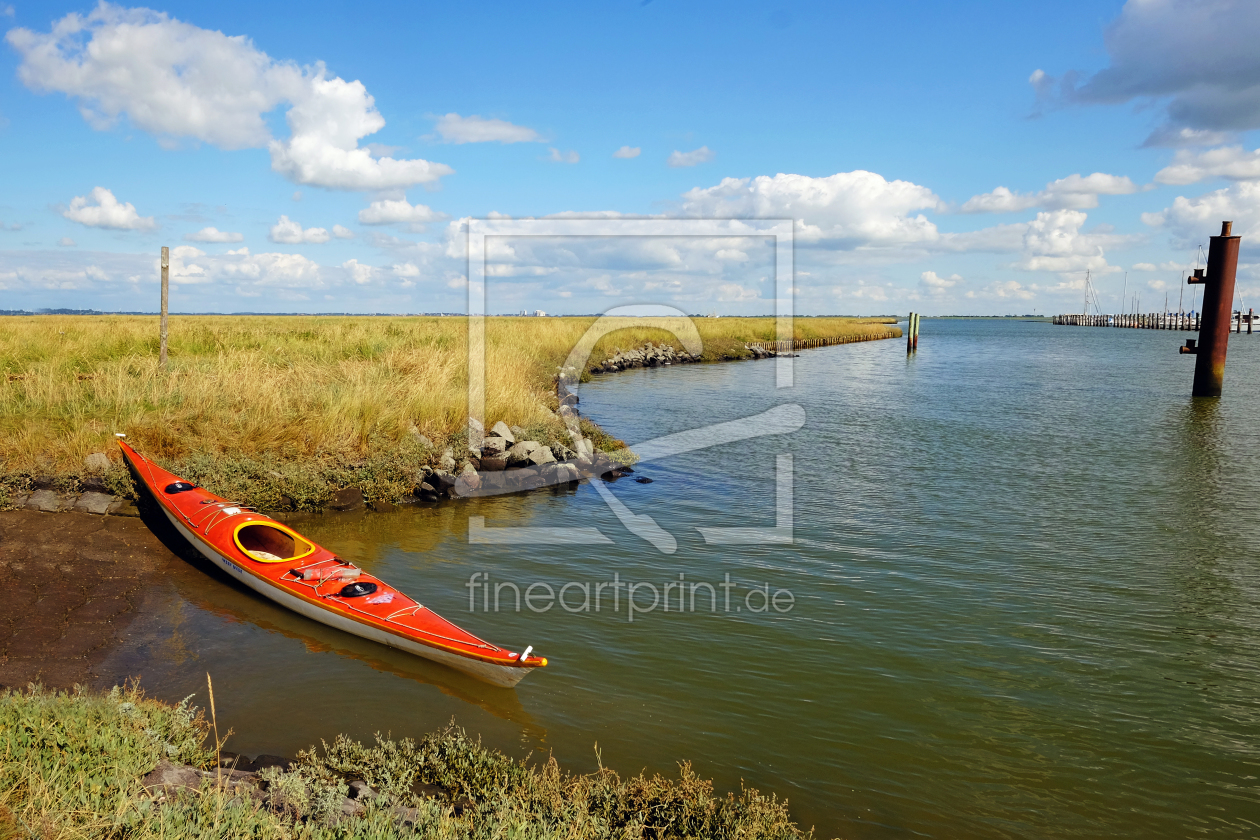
x=941 y=157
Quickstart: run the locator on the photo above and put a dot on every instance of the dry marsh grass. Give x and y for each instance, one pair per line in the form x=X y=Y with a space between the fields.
x=293 y=388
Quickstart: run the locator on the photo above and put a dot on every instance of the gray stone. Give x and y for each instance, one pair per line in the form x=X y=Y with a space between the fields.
x=541 y=455
x=97 y=462
x=93 y=484
x=97 y=503
x=448 y=461
x=475 y=428
x=45 y=500
x=347 y=498
x=493 y=463
x=426 y=488
x=519 y=432
x=504 y=431
x=382 y=506
x=444 y=479
x=493 y=446
x=570 y=399
x=361 y=790
x=519 y=454
x=467 y=481
x=123 y=507
x=43 y=482
x=419 y=438
x=170 y=777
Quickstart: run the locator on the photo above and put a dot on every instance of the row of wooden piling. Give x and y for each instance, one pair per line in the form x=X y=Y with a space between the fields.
x=809 y=343
x=912 y=333
x=1189 y=321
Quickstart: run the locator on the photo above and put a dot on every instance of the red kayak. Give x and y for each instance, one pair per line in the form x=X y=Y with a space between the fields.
x=281 y=564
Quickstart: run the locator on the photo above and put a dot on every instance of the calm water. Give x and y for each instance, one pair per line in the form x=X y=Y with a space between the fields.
x=1026 y=602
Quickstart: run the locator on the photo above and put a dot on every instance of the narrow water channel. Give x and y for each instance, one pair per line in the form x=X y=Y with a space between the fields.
x=1022 y=597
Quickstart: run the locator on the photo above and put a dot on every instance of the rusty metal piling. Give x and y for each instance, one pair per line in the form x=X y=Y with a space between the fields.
x=1218 y=313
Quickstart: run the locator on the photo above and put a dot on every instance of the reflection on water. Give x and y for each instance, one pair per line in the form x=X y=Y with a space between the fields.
x=1024 y=571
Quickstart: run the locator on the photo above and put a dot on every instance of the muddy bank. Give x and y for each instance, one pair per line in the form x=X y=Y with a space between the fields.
x=74 y=583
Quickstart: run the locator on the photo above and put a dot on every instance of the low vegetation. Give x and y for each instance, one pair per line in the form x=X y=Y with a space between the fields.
x=71 y=766
x=260 y=407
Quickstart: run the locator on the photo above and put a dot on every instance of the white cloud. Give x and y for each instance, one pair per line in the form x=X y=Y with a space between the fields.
x=323 y=149
x=849 y=209
x=701 y=155
x=1144 y=266
x=1054 y=242
x=1003 y=290
x=391 y=212
x=736 y=292
x=1196 y=58
x=627 y=152
x=288 y=232
x=100 y=209
x=7 y=10
x=731 y=255
x=1075 y=192
x=192 y=266
x=66 y=242
x=558 y=156
x=406 y=270
x=1231 y=162
x=341 y=232
x=938 y=284
x=452 y=128
x=176 y=81
x=1190 y=221
x=297 y=195
x=359 y=273
x=209 y=234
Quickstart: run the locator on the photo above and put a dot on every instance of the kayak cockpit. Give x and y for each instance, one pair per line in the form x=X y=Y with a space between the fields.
x=270 y=542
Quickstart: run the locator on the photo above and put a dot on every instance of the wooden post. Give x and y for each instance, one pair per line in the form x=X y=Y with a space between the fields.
x=166 y=273
x=909 y=333
x=1251 y=316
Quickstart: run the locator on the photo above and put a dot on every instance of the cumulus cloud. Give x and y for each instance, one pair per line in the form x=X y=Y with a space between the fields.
x=558 y=156
x=288 y=232
x=627 y=152
x=192 y=266
x=1075 y=192
x=1190 y=221
x=177 y=81
x=390 y=212
x=938 y=284
x=210 y=234
x=848 y=209
x=1231 y=162
x=66 y=242
x=1197 y=58
x=342 y=232
x=701 y=155
x=359 y=273
x=100 y=209
x=452 y=128
x=1003 y=290
x=1055 y=242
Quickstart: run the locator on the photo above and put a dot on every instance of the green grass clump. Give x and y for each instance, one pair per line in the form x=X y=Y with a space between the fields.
x=71 y=765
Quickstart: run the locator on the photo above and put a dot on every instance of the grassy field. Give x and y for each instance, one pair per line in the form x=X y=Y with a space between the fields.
x=316 y=399
x=71 y=767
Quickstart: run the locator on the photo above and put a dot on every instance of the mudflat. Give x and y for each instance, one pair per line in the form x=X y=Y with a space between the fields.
x=73 y=583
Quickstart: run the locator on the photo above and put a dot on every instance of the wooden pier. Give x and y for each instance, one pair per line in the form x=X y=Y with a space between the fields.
x=1189 y=321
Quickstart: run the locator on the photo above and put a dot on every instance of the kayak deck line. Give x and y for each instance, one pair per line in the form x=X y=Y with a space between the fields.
x=266 y=555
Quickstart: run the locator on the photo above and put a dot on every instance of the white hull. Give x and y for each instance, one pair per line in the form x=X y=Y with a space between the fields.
x=502 y=676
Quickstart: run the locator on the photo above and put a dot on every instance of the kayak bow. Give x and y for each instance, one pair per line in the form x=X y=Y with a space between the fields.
x=279 y=563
